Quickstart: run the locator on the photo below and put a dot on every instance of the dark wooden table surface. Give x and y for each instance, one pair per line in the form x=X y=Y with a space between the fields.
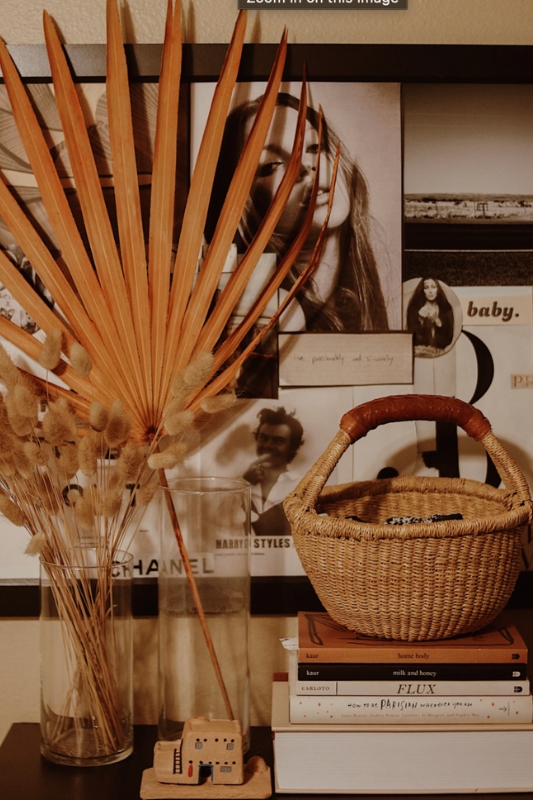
x=26 y=775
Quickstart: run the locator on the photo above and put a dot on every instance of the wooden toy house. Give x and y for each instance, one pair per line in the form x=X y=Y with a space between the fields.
x=209 y=749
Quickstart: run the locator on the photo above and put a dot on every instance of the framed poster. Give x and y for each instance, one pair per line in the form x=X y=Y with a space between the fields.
x=355 y=288
x=490 y=89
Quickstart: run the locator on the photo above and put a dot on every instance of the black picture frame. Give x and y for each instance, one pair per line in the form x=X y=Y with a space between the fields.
x=404 y=64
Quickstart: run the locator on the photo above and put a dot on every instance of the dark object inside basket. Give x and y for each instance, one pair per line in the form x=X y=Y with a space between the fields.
x=414 y=520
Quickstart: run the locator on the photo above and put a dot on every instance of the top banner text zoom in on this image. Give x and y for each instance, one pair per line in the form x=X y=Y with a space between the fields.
x=356 y=5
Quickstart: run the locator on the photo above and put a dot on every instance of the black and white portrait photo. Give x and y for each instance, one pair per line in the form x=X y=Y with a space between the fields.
x=357 y=284
x=278 y=437
x=272 y=444
x=429 y=316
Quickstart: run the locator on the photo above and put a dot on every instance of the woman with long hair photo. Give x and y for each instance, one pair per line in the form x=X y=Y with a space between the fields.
x=430 y=318
x=345 y=293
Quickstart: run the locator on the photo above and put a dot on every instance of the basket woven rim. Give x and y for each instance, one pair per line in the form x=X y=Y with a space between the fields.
x=304 y=517
x=419 y=483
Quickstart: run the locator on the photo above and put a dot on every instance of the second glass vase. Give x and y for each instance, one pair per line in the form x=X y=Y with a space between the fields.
x=204 y=616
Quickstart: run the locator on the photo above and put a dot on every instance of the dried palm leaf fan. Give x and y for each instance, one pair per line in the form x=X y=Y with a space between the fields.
x=136 y=341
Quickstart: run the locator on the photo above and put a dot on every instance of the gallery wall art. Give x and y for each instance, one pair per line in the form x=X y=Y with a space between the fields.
x=435 y=196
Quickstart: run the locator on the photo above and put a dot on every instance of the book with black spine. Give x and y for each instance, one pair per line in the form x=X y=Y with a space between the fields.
x=395 y=672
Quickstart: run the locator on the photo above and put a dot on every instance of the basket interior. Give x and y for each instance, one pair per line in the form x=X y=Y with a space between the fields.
x=374 y=502
x=378 y=508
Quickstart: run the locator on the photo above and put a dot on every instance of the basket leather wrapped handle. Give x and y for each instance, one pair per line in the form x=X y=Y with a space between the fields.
x=400 y=408
x=355 y=424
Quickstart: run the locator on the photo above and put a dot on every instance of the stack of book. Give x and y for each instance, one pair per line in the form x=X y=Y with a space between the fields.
x=368 y=715
x=474 y=678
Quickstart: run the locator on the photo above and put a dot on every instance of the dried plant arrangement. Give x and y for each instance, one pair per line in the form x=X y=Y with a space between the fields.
x=135 y=334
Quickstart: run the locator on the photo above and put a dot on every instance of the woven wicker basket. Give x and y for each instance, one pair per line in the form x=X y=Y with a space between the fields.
x=415 y=581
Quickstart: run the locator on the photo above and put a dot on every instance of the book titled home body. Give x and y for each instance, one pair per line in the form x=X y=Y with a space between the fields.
x=398 y=759
x=323 y=640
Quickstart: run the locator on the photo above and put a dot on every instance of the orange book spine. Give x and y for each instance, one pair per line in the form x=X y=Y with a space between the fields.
x=391 y=654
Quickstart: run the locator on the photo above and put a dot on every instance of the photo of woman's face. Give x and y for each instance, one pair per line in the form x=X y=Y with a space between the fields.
x=430 y=289
x=273 y=164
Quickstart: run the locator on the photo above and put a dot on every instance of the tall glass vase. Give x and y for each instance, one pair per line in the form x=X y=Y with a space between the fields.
x=86 y=659
x=204 y=615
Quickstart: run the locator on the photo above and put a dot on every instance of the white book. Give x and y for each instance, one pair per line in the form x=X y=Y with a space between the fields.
x=383 y=709
x=413 y=689
x=398 y=759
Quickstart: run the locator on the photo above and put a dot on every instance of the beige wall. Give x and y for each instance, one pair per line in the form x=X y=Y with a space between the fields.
x=19 y=669
x=426 y=21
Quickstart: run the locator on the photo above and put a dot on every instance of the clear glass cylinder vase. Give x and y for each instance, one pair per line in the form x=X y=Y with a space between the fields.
x=204 y=616
x=86 y=651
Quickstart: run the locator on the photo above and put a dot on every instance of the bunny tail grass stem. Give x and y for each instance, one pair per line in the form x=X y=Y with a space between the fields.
x=195 y=594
